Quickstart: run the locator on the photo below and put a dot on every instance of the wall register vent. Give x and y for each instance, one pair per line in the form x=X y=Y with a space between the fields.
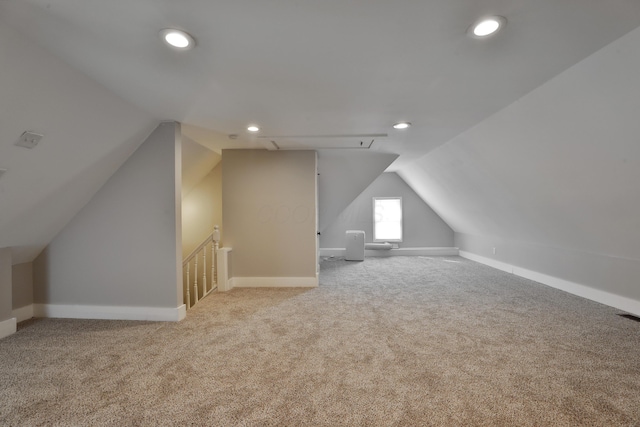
x=29 y=139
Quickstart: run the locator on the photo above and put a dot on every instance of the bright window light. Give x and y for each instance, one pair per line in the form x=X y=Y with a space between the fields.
x=387 y=219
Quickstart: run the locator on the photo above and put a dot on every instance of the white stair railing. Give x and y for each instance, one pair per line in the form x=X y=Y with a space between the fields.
x=194 y=291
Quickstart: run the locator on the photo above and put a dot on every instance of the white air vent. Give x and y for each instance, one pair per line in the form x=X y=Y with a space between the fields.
x=29 y=139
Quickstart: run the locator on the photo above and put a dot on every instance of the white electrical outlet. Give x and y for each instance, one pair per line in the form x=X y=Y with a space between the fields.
x=494 y=251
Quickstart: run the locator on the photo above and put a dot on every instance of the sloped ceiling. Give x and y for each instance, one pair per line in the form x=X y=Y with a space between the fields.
x=559 y=168
x=342 y=176
x=88 y=134
x=324 y=67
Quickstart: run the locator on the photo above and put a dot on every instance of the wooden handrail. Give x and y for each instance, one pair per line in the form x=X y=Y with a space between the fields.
x=207 y=240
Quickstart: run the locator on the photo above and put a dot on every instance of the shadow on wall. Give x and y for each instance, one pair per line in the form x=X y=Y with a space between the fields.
x=41 y=278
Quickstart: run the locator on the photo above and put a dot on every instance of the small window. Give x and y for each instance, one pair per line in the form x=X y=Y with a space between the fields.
x=387 y=219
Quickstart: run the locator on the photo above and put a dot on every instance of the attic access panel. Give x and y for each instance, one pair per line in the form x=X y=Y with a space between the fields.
x=313 y=142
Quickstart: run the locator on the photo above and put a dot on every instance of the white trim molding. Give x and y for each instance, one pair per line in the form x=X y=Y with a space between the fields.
x=110 y=312
x=435 y=251
x=8 y=327
x=23 y=313
x=230 y=284
x=224 y=282
x=182 y=313
x=622 y=303
x=275 y=282
x=487 y=261
x=332 y=251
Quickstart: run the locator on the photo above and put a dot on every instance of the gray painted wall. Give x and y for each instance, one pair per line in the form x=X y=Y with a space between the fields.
x=552 y=180
x=123 y=248
x=197 y=162
x=422 y=226
x=269 y=212
x=5 y=284
x=616 y=275
x=22 y=285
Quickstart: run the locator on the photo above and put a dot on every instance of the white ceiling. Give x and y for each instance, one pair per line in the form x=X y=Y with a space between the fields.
x=324 y=67
x=94 y=77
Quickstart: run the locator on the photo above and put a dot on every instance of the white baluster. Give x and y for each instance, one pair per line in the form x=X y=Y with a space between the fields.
x=214 y=257
x=195 y=281
x=204 y=270
x=214 y=283
x=188 y=284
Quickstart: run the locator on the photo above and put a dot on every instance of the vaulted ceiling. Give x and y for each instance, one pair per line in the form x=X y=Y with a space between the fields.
x=94 y=77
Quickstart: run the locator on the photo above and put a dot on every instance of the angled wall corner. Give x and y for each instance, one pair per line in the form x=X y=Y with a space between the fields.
x=343 y=175
x=123 y=249
x=548 y=185
x=22 y=290
x=89 y=133
x=421 y=225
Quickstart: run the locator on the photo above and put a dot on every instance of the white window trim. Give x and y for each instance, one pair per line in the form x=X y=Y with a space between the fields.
x=401 y=220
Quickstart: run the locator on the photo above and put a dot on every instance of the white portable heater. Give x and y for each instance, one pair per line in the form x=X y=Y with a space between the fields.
x=355 y=245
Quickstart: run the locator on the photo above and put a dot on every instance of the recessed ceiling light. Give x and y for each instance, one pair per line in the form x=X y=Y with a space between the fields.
x=401 y=125
x=253 y=128
x=177 y=39
x=487 y=26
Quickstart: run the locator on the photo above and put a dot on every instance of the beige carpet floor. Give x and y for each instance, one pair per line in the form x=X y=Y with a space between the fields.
x=401 y=341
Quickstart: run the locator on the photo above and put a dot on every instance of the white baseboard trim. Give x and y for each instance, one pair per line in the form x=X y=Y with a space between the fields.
x=413 y=252
x=332 y=251
x=23 y=313
x=623 y=303
x=435 y=251
x=110 y=312
x=182 y=312
x=229 y=285
x=487 y=261
x=8 y=327
x=274 y=282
